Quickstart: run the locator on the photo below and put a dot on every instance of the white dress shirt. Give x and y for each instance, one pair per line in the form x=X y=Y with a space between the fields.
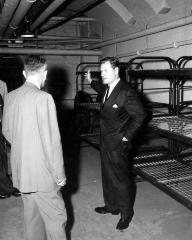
x=112 y=86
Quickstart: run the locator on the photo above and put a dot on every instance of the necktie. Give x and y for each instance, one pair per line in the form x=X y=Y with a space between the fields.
x=106 y=95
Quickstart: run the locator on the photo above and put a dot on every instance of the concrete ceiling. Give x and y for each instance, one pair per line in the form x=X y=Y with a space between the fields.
x=76 y=23
x=145 y=15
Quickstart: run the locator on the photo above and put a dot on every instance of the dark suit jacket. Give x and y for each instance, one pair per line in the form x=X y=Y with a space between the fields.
x=121 y=115
x=30 y=125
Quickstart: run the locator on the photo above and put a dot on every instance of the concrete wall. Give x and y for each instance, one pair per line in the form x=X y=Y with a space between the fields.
x=173 y=43
x=62 y=69
x=61 y=78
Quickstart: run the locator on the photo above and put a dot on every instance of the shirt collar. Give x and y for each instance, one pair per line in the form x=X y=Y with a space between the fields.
x=113 y=84
x=32 y=83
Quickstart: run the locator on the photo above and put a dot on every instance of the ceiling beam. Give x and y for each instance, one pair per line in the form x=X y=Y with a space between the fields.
x=7 y=13
x=46 y=14
x=159 y=6
x=35 y=11
x=80 y=12
x=121 y=10
x=19 y=14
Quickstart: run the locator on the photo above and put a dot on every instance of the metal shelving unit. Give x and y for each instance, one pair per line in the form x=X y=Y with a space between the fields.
x=171 y=170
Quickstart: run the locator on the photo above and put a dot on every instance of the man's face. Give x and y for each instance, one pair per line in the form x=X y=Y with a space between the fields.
x=108 y=73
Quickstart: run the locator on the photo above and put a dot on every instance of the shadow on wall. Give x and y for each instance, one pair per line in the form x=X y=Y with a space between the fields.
x=11 y=68
x=57 y=85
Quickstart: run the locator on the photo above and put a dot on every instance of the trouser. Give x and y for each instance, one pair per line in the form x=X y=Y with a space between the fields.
x=6 y=185
x=44 y=216
x=117 y=179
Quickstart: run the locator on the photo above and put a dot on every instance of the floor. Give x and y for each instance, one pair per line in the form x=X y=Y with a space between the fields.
x=157 y=216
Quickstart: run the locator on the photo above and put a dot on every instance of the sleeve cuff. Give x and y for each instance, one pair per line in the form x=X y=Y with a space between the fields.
x=62 y=183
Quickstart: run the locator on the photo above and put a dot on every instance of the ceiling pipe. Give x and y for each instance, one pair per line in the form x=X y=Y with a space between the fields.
x=20 y=13
x=81 y=11
x=48 y=11
x=71 y=41
x=26 y=51
x=36 y=10
x=150 y=31
x=52 y=37
x=7 y=12
x=42 y=38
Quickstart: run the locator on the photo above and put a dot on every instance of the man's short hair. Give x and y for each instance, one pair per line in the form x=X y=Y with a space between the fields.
x=34 y=62
x=113 y=60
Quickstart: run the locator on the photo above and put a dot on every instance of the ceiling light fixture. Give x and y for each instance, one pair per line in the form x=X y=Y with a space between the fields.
x=28 y=34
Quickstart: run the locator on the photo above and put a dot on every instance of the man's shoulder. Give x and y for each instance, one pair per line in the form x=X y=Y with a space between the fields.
x=127 y=89
x=2 y=83
x=44 y=97
x=12 y=93
x=125 y=86
x=24 y=91
x=44 y=94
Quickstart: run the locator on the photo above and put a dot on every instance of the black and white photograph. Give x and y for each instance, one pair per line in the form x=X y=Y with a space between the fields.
x=95 y=119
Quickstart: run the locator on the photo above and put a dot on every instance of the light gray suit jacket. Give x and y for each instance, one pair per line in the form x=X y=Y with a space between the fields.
x=3 y=89
x=30 y=125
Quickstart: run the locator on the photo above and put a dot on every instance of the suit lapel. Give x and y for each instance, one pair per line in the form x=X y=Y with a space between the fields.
x=112 y=97
x=104 y=92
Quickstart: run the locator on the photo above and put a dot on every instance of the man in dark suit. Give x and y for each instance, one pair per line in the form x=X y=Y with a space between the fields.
x=121 y=116
x=30 y=126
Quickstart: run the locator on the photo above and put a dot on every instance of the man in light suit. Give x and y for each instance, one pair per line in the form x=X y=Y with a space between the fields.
x=30 y=126
x=6 y=185
x=121 y=116
x=3 y=89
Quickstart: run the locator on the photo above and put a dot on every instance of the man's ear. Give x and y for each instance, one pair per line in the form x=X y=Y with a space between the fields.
x=116 y=70
x=24 y=73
